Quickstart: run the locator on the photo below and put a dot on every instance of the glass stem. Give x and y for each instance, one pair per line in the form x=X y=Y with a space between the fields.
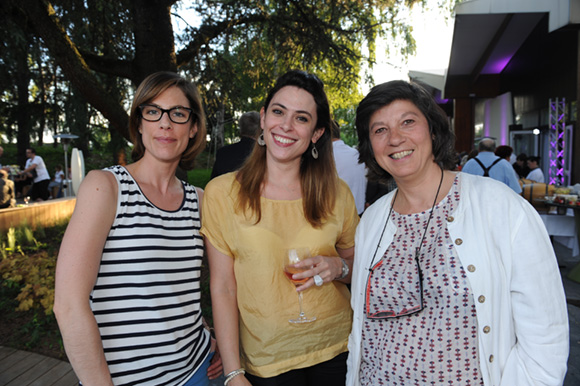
x=300 y=303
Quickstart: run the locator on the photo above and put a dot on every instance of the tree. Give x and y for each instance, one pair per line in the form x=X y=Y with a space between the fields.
x=234 y=50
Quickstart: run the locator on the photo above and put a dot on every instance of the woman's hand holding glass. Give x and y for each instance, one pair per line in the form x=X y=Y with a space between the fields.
x=304 y=271
x=327 y=267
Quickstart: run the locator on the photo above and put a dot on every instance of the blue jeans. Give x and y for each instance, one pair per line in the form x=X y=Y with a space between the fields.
x=199 y=378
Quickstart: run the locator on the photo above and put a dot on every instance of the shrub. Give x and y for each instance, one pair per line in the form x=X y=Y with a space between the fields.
x=30 y=265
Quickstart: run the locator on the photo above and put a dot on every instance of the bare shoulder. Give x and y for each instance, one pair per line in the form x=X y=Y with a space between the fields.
x=98 y=181
x=97 y=194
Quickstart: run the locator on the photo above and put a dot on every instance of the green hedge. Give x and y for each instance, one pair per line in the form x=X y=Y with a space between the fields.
x=199 y=177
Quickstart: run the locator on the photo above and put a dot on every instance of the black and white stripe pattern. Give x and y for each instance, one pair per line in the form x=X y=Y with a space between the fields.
x=147 y=296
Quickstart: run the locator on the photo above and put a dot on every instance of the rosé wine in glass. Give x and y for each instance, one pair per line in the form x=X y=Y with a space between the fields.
x=292 y=257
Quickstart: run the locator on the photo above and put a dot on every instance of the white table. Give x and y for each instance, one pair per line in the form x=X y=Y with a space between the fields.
x=563 y=230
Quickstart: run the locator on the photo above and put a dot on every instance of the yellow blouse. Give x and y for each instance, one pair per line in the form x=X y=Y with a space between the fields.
x=269 y=344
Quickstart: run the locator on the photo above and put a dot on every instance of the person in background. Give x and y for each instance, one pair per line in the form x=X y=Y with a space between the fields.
x=504 y=152
x=536 y=174
x=472 y=154
x=467 y=156
x=127 y=293
x=4 y=167
x=349 y=168
x=22 y=184
x=286 y=195
x=231 y=157
x=35 y=166
x=521 y=165
x=7 y=193
x=55 y=186
x=487 y=164
x=455 y=280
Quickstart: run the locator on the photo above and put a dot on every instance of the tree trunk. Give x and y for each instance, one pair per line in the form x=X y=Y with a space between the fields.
x=41 y=16
x=154 y=40
x=22 y=110
x=219 y=137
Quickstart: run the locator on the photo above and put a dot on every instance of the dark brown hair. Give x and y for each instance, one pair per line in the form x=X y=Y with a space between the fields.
x=318 y=177
x=148 y=90
x=443 y=139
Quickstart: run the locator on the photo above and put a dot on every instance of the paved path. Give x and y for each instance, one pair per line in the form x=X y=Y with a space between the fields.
x=21 y=368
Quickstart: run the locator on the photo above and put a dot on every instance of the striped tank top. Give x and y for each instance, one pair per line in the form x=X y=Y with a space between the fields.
x=146 y=299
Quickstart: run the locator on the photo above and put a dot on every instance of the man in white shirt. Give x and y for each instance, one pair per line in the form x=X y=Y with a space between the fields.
x=349 y=169
x=39 y=190
x=536 y=174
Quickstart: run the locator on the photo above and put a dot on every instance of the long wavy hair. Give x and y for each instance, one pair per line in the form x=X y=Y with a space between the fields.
x=148 y=90
x=442 y=137
x=318 y=177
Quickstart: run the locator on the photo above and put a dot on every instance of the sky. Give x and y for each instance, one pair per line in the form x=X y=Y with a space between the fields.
x=433 y=35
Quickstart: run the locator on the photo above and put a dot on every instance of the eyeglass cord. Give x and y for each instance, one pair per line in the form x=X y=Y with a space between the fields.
x=424 y=232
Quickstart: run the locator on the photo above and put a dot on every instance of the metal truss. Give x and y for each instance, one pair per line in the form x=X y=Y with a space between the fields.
x=557 y=152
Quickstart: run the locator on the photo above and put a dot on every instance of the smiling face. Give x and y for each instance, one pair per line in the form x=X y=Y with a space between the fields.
x=401 y=141
x=289 y=125
x=166 y=140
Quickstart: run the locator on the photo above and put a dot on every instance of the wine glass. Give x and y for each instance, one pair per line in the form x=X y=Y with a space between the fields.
x=292 y=257
x=26 y=200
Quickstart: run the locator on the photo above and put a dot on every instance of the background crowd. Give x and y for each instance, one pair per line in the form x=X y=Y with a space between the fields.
x=31 y=182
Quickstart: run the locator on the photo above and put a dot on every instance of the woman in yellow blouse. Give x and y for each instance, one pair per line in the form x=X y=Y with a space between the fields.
x=286 y=195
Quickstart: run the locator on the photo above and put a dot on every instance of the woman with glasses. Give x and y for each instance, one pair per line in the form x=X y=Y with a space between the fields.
x=455 y=280
x=127 y=296
x=286 y=195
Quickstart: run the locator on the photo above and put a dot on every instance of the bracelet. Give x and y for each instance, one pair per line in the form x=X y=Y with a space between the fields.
x=207 y=327
x=345 y=270
x=233 y=374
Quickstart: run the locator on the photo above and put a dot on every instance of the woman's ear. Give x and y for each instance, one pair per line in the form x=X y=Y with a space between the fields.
x=262 y=117
x=317 y=134
x=193 y=130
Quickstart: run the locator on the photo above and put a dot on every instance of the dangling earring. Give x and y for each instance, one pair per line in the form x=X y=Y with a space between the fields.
x=314 y=151
x=261 y=141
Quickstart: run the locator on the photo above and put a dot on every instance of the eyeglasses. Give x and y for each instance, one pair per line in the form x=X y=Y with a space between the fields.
x=405 y=295
x=152 y=113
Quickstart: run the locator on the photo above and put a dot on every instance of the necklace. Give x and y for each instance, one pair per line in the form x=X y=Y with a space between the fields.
x=424 y=232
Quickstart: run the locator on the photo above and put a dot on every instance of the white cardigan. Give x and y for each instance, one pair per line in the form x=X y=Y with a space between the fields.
x=503 y=245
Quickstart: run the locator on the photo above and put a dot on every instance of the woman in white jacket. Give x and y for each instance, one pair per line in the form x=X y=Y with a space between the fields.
x=455 y=281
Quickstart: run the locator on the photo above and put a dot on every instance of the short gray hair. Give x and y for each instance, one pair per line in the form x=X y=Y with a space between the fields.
x=486 y=144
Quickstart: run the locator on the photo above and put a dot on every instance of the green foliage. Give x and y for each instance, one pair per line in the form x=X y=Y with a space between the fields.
x=37 y=327
x=199 y=177
x=346 y=120
x=30 y=264
x=52 y=155
x=29 y=330
x=234 y=50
